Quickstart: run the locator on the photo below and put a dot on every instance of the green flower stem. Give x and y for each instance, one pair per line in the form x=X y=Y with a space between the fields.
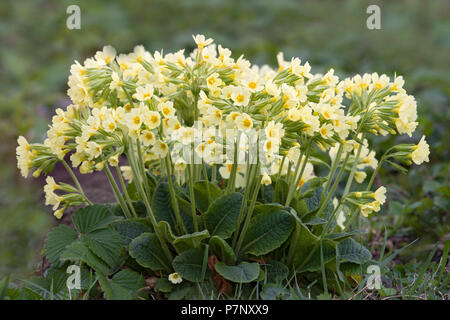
x=117 y=194
x=128 y=96
x=249 y=215
x=277 y=185
x=353 y=170
x=214 y=173
x=293 y=187
x=333 y=188
x=173 y=196
x=140 y=161
x=331 y=217
x=148 y=207
x=369 y=186
x=249 y=179
x=125 y=191
x=205 y=174
x=77 y=183
x=292 y=248
x=192 y=195
x=232 y=178
x=334 y=166
x=316 y=245
x=374 y=174
x=294 y=177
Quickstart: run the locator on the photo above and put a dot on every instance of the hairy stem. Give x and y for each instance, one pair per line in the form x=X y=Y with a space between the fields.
x=77 y=183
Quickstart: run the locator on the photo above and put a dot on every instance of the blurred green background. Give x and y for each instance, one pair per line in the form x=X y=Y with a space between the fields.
x=37 y=49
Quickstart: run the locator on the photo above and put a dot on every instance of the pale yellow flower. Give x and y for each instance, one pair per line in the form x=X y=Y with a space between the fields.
x=175 y=278
x=201 y=41
x=244 y=122
x=380 y=195
x=421 y=152
x=266 y=180
x=144 y=93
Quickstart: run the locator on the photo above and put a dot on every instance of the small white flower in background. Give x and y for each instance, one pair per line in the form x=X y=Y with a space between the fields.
x=175 y=278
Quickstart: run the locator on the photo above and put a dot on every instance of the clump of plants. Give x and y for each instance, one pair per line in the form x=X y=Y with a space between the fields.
x=215 y=160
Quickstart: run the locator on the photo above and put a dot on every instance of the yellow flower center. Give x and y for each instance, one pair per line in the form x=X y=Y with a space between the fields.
x=154 y=119
x=247 y=123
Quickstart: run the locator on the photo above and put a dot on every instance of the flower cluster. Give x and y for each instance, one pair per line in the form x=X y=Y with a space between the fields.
x=173 y=114
x=368 y=201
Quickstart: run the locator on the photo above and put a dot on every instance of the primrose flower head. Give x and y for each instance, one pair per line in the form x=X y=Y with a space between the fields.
x=380 y=195
x=421 y=152
x=175 y=278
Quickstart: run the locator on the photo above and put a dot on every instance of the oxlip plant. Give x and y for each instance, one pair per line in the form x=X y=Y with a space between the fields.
x=215 y=160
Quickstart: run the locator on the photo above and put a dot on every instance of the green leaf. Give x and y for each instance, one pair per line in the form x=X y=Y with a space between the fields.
x=312 y=188
x=165 y=229
x=147 y=251
x=222 y=250
x=123 y=286
x=131 y=229
x=189 y=264
x=201 y=194
x=315 y=262
x=352 y=251
x=132 y=191
x=105 y=243
x=163 y=285
x=342 y=235
x=273 y=291
x=189 y=241
x=78 y=251
x=282 y=190
x=57 y=241
x=243 y=273
x=268 y=193
x=267 y=208
x=268 y=231
x=221 y=219
x=275 y=271
x=92 y=218
x=305 y=242
x=186 y=214
x=181 y=291
x=313 y=195
x=161 y=204
x=299 y=206
x=325 y=215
